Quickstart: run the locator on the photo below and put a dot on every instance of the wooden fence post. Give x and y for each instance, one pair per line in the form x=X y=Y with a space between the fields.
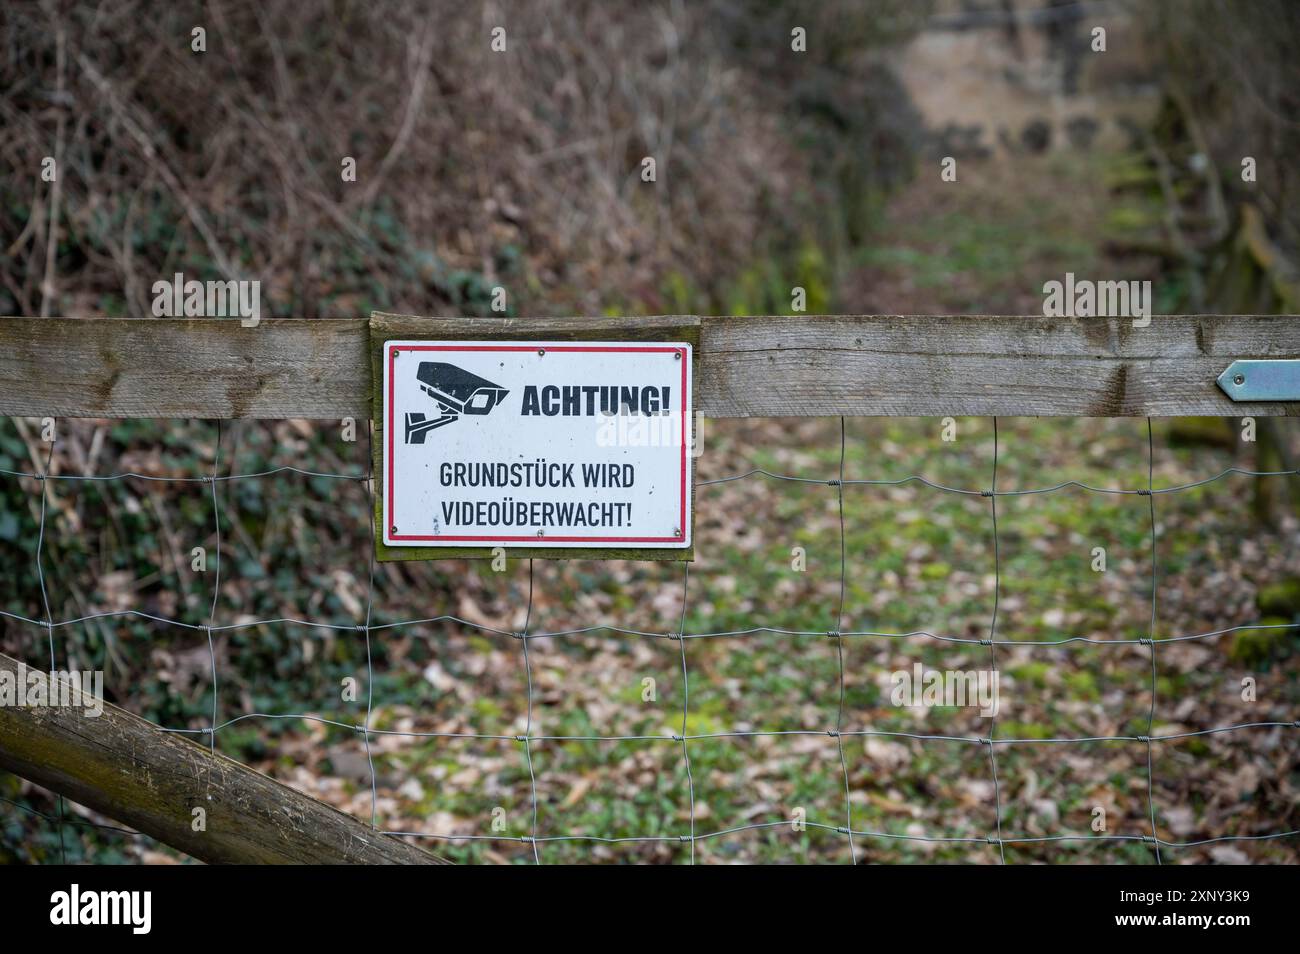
x=153 y=780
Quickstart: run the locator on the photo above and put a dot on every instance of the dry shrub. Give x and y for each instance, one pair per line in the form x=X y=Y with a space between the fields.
x=1234 y=65
x=474 y=167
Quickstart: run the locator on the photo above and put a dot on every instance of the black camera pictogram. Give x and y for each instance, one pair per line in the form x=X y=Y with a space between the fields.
x=456 y=392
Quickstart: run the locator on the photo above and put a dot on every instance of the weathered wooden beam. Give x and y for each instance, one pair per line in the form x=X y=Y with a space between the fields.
x=184 y=367
x=898 y=365
x=748 y=367
x=128 y=769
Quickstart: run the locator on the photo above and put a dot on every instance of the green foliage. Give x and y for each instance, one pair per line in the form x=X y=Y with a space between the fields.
x=1256 y=647
x=1281 y=599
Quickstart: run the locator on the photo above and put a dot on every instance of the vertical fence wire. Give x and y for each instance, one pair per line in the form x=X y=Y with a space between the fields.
x=216 y=586
x=528 y=728
x=369 y=483
x=839 y=654
x=1151 y=642
x=686 y=703
x=44 y=479
x=992 y=641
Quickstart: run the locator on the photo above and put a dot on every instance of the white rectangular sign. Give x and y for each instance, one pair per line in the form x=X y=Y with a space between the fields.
x=537 y=444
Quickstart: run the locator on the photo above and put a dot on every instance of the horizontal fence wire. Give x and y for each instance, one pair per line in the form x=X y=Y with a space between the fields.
x=682 y=739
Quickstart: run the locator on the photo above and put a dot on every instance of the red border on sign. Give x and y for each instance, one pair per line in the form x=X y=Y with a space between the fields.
x=539 y=541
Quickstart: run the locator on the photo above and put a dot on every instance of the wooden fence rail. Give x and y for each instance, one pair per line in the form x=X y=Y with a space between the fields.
x=749 y=367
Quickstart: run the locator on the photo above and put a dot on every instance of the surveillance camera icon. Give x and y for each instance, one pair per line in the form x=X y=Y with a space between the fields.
x=456 y=392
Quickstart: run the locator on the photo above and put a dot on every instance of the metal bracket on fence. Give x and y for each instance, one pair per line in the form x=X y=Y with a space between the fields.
x=1262 y=380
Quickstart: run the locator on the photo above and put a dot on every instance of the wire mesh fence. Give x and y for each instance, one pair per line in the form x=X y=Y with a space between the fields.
x=989 y=746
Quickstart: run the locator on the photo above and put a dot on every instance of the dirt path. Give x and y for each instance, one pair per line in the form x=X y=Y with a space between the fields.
x=986 y=243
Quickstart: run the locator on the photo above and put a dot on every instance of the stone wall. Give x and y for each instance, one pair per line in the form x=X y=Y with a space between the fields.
x=1020 y=76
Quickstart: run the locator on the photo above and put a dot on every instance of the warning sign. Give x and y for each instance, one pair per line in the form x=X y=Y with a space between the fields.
x=537 y=444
